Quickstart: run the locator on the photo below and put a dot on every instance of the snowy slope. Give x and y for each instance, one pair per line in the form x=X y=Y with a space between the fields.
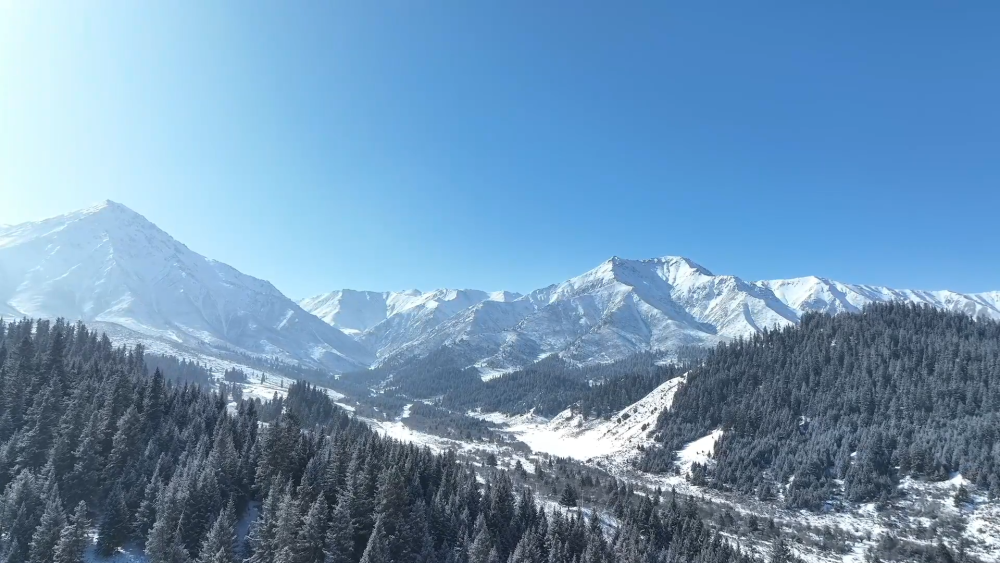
x=108 y=264
x=568 y=434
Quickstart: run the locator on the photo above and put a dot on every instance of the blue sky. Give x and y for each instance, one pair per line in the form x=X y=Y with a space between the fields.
x=387 y=145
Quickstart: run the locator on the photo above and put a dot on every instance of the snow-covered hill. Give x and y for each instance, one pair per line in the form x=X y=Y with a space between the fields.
x=625 y=306
x=108 y=264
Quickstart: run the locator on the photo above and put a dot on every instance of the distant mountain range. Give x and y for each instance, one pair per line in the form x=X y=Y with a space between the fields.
x=108 y=264
x=621 y=307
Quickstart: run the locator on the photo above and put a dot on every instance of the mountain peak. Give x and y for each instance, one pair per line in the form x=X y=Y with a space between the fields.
x=682 y=262
x=106 y=205
x=670 y=268
x=674 y=261
x=107 y=216
x=109 y=264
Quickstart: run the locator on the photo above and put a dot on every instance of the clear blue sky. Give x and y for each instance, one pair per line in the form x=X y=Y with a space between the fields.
x=397 y=144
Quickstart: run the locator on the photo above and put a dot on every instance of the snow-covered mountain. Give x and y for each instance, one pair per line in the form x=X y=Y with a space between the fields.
x=624 y=306
x=387 y=321
x=108 y=264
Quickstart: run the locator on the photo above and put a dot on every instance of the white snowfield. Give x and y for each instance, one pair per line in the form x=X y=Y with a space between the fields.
x=568 y=434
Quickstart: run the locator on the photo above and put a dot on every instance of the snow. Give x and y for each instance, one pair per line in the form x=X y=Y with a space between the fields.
x=699 y=451
x=109 y=264
x=625 y=306
x=398 y=430
x=128 y=554
x=570 y=435
x=921 y=506
x=389 y=320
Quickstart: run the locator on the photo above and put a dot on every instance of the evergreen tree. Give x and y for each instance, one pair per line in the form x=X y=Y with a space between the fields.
x=114 y=527
x=568 y=497
x=46 y=536
x=340 y=534
x=286 y=529
x=482 y=546
x=260 y=539
x=377 y=550
x=219 y=544
x=392 y=512
x=21 y=508
x=145 y=516
x=73 y=537
x=163 y=544
x=309 y=545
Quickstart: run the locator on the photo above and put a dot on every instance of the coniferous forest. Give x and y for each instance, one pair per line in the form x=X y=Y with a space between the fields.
x=898 y=390
x=93 y=444
x=545 y=388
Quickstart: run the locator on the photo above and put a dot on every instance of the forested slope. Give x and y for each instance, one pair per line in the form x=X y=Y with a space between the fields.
x=544 y=388
x=867 y=398
x=88 y=437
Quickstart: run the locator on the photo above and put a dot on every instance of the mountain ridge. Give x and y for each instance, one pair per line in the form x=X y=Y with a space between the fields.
x=623 y=306
x=107 y=263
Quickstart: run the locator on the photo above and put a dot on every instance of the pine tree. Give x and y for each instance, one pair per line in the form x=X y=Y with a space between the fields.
x=21 y=507
x=962 y=497
x=82 y=480
x=73 y=537
x=568 y=497
x=152 y=403
x=479 y=551
x=46 y=536
x=311 y=539
x=145 y=516
x=392 y=512
x=524 y=551
x=177 y=552
x=286 y=530
x=377 y=550
x=113 y=531
x=219 y=544
x=162 y=543
x=43 y=418
x=340 y=534
x=260 y=540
